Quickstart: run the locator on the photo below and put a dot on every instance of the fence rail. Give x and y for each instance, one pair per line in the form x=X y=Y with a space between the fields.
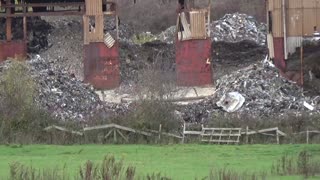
x=205 y=134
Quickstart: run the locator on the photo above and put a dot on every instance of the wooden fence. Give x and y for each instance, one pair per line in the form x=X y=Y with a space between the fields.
x=204 y=134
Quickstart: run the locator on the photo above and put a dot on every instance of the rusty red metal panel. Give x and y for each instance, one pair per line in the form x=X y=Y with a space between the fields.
x=102 y=65
x=193 y=62
x=12 y=49
x=279 y=60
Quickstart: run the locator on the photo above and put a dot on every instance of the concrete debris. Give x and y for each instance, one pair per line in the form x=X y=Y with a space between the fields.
x=238 y=27
x=231 y=102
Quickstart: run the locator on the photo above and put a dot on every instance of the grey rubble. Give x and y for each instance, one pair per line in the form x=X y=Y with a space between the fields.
x=230 y=28
x=266 y=93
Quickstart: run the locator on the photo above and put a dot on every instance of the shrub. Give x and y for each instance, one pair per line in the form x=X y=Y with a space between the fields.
x=20 y=119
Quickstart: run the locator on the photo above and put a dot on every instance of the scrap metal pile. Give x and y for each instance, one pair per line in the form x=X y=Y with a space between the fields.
x=238 y=27
x=66 y=97
x=231 y=28
x=265 y=93
x=61 y=94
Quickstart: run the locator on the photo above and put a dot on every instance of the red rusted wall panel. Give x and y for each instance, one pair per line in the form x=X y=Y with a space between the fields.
x=12 y=49
x=279 y=60
x=193 y=59
x=102 y=65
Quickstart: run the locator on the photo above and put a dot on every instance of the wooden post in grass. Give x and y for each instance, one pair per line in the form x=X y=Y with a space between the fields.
x=307 y=134
x=277 y=134
x=247 y=136
x=114 y=135
x=160 y=127
x=183 y=135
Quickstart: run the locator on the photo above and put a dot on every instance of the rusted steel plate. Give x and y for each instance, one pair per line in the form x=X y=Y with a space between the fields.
x=279 y=60
x=102 y=65
x=193 y=62
x=13 y=49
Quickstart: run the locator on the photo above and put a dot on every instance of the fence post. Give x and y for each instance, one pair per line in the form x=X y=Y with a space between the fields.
x=114 y=135
x=247 y=136
x=184 y=129
x=160 y=127
x=278 y=141
x=307 y=136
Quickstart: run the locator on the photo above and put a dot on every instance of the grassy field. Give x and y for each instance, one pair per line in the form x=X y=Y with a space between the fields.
x=176 y=161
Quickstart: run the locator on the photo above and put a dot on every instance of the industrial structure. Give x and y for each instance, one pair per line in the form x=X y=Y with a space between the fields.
x=193 y=44
x=101 y=52
x=289 y=22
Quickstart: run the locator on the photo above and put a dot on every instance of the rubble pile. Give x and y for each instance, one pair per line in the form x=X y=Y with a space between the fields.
x=125 y=30
x=61 y=94
x=168 y=35
x=230 y=28
x=266 y=93
x=238 y=27
x=38 y=31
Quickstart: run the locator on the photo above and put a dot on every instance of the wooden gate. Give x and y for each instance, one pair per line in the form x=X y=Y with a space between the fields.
x=221 y=135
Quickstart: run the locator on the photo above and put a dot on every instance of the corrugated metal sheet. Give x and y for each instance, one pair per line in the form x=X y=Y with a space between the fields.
x=302 y=17
x=108 y=40
x=193 y=62
x=102 y=65
x=198 y=24
x=294 y=22
x=293 y=43
x=93 y=7
x=12 y=49
x=186 y=33
x=270 y=45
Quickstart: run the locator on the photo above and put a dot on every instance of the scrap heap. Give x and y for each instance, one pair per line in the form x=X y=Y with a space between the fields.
x=238 y=27
x=266 y=93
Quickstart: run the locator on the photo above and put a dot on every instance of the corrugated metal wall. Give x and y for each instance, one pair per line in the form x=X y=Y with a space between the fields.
x=302 y=17
x=93 y=7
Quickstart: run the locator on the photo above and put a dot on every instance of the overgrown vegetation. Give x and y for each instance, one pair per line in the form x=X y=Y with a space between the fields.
x=303 y=165
x=21 y=121
x=109 y=169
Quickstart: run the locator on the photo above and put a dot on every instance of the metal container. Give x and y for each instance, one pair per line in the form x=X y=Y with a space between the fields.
x=13 y=49
x=102 y=65
x=193 y=62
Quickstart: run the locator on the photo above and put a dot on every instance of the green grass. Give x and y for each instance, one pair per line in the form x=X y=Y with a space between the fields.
x=176 y=161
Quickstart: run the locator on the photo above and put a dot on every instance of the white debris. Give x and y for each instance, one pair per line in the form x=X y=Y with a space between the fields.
x=231 y=102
